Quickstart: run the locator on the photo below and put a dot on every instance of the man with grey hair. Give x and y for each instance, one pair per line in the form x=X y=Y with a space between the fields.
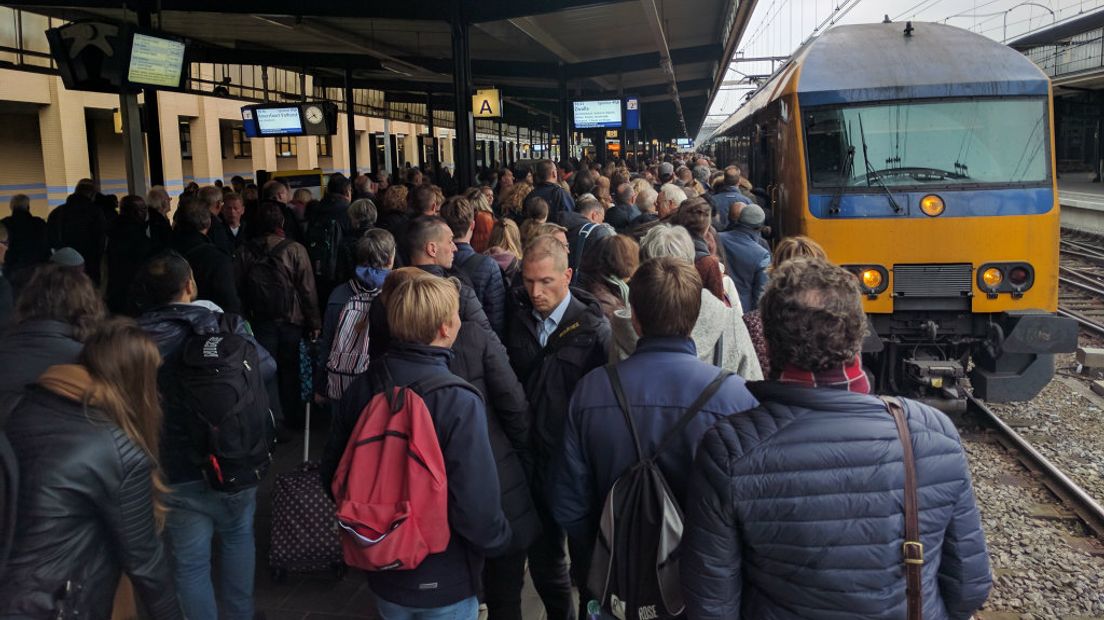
x=623 y=212
x=27 y=243
x=667 y=203
x=219 y=233
x=157 y=199
x=646 y=204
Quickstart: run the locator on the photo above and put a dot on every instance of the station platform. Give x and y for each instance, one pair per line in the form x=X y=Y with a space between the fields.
x=1082 y=202
x=321 y=596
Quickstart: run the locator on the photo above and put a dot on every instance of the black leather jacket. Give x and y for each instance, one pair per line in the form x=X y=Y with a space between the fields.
x=85 y=516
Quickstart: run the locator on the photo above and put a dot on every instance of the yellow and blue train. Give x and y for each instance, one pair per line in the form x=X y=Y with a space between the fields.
x=921 y=157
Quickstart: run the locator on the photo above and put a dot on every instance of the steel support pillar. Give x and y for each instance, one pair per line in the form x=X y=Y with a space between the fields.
x=462 y=90
x=500 y=152
x=350 y=122
x=153 y=121
x=565 y=117
x=134 y=148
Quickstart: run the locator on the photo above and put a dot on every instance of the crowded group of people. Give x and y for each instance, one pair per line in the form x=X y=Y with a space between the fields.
x=576 y=319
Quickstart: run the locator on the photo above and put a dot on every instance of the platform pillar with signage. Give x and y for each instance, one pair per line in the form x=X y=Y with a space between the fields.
x=464 y=152
x=350 y=123
x=487 y=104
x=152 y=111
x=134 y=145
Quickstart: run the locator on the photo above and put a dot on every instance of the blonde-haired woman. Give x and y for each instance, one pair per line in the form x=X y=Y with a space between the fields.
x=505 y=248
x=86 y=439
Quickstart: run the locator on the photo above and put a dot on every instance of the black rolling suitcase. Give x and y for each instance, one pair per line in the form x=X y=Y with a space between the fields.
x=304 y=527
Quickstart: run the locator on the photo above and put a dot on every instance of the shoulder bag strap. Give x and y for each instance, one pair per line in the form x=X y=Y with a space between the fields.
x=695 y=407
x=912 y=549
x=718 y=352
x=469 y=261
x=619 y=392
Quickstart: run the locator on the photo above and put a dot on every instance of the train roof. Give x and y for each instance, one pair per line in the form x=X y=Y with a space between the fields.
x=876 y=62
x=866 y=62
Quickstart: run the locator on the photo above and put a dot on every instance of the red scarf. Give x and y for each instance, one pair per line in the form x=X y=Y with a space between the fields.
x=849 y=377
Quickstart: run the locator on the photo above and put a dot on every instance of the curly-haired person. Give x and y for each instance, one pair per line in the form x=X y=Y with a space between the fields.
x=795 y=507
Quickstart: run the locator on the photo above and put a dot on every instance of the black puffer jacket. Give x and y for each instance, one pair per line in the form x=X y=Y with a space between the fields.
x=169 y=326
x=129 y=245
x=85 y=516
x=549 y=374
x=480 y=359
x=212 y=268
x=28 y=349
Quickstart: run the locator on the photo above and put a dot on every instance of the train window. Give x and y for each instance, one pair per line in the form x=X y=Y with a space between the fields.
x=984 y=141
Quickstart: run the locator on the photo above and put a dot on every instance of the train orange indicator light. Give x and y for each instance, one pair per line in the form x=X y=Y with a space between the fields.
x=871 y=279
x=932 y=205
x=992 y=277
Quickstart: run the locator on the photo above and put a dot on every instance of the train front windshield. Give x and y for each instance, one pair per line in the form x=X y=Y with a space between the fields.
x=947 y=143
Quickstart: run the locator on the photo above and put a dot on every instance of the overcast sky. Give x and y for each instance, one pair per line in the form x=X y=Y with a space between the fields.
x=778 y=27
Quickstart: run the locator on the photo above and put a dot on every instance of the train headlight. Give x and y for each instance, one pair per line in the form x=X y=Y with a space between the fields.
x=1019 y=275
x=992 y=277
x=932 y=205
x=871 y=279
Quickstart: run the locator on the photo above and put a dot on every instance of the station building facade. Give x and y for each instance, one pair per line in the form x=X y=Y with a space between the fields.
x=51 y=137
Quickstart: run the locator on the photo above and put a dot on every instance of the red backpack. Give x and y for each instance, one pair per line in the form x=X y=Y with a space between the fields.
x=390 y=487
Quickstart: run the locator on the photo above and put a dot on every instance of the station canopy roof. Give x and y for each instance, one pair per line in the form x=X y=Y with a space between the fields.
x=404 y=47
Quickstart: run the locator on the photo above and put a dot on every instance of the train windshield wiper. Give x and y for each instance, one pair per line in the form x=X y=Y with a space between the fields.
x=845 y=177
x=916 y=170
x=873 y=174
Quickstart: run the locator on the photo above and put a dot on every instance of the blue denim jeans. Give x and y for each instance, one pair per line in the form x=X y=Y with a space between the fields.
x=197 y=513
x=467 y=609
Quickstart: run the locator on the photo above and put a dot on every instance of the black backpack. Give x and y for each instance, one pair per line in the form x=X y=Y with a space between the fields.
x=267 y=290
x=634 y=570
x=324 y=247
x=218 y=383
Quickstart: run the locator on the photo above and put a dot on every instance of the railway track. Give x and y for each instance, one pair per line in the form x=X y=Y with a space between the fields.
x=1087 y=508
x=1081 y=276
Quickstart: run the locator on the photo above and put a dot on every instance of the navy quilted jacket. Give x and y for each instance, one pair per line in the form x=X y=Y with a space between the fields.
x=796 y=511
x=486 y=279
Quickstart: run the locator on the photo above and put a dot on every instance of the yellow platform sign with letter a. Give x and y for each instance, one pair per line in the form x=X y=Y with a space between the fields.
x=487 y=103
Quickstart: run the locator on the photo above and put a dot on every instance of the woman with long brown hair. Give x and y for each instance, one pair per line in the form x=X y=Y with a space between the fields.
x=86 y=438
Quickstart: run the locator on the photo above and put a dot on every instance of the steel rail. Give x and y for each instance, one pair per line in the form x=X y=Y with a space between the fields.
x=1079 y=281
x=1093 y=258
x=1085 y=321
x=1090 y=511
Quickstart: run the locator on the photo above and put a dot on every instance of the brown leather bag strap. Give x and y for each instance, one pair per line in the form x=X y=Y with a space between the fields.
x=912 y=549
